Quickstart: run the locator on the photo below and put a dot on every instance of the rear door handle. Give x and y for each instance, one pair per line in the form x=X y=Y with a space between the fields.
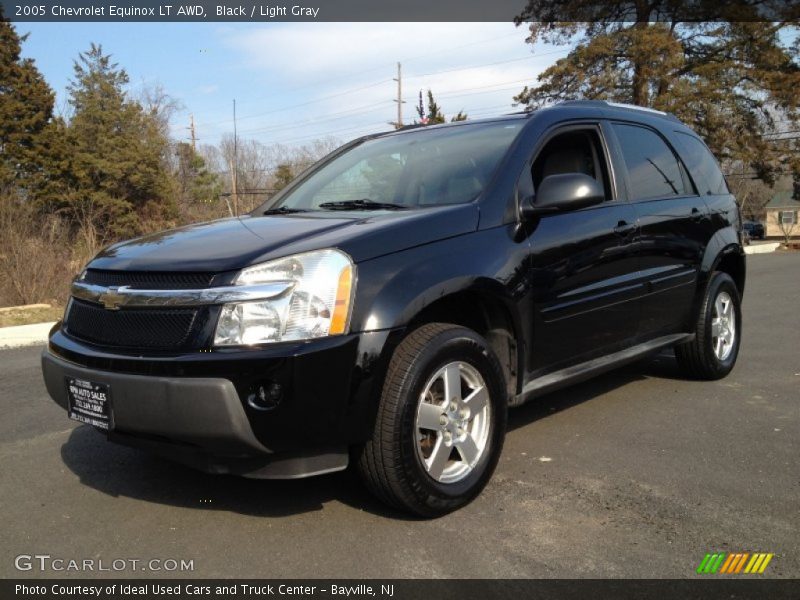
x=624 y=228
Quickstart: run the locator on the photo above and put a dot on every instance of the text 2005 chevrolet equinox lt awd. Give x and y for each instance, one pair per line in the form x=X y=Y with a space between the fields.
x=391 y=304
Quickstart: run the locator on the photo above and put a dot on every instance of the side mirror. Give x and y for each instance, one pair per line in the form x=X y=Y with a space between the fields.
x=563 y=192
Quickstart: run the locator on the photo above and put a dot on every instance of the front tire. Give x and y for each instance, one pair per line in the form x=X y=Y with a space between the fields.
x=718 y=332
x=440 y=424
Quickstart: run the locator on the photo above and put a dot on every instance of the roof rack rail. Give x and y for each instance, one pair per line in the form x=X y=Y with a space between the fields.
x=411 y=126
x=636 y=107
x=622 y=105
x=578 y=102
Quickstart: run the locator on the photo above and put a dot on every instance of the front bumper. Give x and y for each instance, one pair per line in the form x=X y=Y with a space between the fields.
x=193 y=408
x=197 y=421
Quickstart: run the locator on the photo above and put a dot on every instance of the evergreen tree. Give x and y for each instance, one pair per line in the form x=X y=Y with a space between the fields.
x=26 y=110
x=732 y=81
x=434 y=115
x=115 y=175
x=196 y=184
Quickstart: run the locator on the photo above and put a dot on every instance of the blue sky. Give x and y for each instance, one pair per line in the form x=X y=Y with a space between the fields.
x=294 y=82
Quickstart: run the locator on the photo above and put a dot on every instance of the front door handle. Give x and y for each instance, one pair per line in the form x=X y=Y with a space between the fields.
x=624 y=228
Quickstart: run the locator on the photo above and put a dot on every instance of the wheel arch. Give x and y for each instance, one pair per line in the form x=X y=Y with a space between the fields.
x=723 y=253
x=487 y=313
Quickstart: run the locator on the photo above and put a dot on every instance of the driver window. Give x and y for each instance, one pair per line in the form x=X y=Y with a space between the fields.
x=572 y=152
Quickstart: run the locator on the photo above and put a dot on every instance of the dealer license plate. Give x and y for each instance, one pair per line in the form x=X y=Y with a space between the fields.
x=88 y=402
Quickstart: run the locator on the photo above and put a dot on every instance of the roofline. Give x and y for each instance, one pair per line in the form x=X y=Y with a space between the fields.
x=527 y=114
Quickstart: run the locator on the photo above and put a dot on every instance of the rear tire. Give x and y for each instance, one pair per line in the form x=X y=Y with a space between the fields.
x=718 y=332
x=440 y=424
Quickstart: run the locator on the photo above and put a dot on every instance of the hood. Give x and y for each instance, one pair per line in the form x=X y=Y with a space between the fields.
x=231 y=244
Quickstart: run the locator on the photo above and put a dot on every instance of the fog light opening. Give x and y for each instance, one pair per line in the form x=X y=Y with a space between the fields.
x=265 y=395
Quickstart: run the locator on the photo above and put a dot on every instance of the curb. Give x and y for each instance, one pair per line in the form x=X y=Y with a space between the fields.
x=24 y=335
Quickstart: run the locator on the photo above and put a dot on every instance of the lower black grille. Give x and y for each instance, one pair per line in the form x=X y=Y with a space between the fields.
x=132 y=328
x=145 y=280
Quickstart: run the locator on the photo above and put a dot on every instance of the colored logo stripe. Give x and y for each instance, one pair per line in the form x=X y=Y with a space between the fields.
x=758 y=563
x=734 y=563
x=711 y=563
x=721 y=562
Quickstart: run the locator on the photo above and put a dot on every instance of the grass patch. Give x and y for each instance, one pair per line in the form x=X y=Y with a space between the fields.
x=30 y=316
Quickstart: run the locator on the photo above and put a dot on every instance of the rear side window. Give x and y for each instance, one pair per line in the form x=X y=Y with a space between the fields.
x=653 y=169
x=702 y=164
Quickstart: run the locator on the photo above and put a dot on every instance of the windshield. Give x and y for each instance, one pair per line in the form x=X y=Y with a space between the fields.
x=426 y=167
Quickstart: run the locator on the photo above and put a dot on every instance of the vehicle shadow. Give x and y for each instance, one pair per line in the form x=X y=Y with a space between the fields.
x=121 y=471
x=660 y=366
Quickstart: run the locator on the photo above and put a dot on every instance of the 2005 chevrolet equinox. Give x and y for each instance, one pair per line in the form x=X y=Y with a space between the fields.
x=390 y=304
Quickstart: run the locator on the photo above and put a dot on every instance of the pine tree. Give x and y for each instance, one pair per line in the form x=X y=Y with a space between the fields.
x=732 y=81
x=196 y=184
x=434 y=115
x=115 y=176
x=26 y=110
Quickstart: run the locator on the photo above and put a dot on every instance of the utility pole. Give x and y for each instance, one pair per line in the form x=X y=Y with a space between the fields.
x=192 y=131
x=399 y=99
x=235 y=164
x=234 y=193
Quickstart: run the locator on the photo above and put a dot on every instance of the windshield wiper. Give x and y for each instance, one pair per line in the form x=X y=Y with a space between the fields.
x=362 y=204
x=284 y=210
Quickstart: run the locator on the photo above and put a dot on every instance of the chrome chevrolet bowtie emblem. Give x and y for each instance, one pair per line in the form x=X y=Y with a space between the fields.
x=112 y=298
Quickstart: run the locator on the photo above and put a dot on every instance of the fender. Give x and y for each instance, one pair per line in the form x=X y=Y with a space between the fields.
x=724 y=243
x=393 y=289
x=399 y=286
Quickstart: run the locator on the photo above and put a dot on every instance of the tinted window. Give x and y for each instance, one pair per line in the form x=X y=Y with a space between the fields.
x=653 y=169
x=702 y=165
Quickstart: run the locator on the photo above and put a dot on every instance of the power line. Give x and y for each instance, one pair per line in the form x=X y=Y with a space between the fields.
x=361 y=88
x=484 y=89
x=295 y=105
x=454 y=48
x=478 y=112
x=492 y=64
x=350 y=112
x=459 y=92
x=368 y=127
x=382 y=67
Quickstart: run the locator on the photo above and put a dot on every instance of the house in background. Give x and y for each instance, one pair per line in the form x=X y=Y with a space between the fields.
x=782 y=215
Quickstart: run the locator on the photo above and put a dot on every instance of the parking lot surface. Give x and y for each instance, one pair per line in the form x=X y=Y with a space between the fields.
x=637 y=473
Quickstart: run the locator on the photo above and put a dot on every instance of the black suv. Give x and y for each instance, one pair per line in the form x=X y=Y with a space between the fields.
x=389 y=305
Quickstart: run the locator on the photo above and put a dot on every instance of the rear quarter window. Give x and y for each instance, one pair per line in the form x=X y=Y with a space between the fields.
x=653 y=169
x=701 y=164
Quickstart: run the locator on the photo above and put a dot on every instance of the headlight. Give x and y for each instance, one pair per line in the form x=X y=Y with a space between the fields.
x=316 y=304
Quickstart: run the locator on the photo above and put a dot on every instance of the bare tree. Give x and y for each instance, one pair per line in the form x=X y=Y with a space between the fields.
x=752 y=196
x=162 y=107
x=260 y=169
x=787 y=228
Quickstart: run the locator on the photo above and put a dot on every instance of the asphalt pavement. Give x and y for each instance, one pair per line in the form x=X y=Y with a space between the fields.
x=637 y=473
